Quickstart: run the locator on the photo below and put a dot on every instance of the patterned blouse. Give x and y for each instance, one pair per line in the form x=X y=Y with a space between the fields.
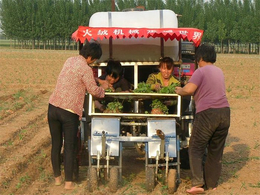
x=75 y=79
x=155 y=78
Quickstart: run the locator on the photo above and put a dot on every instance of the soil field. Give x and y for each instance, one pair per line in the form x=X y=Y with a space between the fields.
x=27 y=78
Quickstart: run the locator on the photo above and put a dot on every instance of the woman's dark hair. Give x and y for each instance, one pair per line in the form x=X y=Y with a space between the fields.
x=168 y=61
x=114 y=69
x=92 y=49
x=206 y=52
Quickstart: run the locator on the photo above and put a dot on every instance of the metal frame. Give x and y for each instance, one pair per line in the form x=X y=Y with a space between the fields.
x=136 y=97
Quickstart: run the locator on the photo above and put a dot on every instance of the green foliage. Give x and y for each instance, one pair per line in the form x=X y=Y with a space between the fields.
x=257 y=185
x=115 y=106
x=156 y=103
x=47 y=20
x=19 y=94
x=143 y=88
x=146 y=88
x=109 y=90
x=23 y=181
x=169 y=89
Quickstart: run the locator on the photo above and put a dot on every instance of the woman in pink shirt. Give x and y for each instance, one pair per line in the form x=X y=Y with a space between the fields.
x=212 y=120
x=66 y=107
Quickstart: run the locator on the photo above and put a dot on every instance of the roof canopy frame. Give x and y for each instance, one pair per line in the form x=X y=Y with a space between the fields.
x=84 y=33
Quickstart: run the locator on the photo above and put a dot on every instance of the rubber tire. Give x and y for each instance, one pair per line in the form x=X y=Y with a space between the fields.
x=92 y=179
x=113 y=180
x=172 y=181
x=150 y=179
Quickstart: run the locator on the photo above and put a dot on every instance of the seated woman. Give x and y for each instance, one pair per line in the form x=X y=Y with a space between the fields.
x=114 y=77
x=163 y=78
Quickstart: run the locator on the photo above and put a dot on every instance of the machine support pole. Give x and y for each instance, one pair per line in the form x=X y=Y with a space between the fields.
x=157 y=163
x=180 y=56
x=162 y=47
x=107 y=159
x=98 y=162
x=103 y=144
x=89 y=153
x=120 y=160
x=178 y=158
x=167 y=164
x=146 y=156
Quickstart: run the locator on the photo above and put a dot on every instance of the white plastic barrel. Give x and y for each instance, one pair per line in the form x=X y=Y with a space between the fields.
x=137 y=49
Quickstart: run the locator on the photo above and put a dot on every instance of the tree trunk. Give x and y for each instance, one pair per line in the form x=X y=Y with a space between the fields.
x=65 y=45
x=228 y=46
x=33 y=43
x=221 y=46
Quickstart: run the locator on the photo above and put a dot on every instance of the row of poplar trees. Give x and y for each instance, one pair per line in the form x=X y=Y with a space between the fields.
x=48 y=21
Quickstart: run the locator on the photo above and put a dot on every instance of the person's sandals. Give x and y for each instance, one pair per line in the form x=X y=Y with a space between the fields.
x=211 y=190
x=196 y=190
x=58 y=181
x=70 y=185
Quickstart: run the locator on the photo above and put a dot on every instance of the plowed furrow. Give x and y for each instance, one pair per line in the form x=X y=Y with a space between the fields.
x=21 y=158
x=22 y=136
x=21 y=119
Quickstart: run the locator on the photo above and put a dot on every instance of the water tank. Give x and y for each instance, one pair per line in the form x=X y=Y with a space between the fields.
x=137 y=49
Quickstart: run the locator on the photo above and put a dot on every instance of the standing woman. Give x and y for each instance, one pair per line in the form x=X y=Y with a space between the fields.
x=212 y=120
x=66 y=107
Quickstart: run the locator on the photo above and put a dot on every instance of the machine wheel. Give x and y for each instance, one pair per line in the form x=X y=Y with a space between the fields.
x=150 y=179
x=113 y=180
x=172 y=181
x=92 y=179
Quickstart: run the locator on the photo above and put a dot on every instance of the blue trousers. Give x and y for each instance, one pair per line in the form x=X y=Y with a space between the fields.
x=209 y=133
x=63 y=125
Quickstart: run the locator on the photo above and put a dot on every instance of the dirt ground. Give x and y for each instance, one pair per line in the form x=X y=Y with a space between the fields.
x=27 y=79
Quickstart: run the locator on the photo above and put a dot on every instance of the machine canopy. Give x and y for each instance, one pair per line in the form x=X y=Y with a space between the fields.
x=191 y=34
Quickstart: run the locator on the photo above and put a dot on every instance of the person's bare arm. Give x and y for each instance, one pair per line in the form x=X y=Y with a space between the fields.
x=188 y=89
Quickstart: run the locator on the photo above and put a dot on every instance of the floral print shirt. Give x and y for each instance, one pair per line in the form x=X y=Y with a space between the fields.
x=155 y=78
x=75 y=79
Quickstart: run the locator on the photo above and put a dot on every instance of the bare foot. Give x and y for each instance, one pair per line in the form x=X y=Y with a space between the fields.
x=212 y=189
x=195 y=190
x=69 y=185
x=58 y=181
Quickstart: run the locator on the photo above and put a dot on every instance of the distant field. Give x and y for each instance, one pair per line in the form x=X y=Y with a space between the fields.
x=14 y=44
x=6 y=42
x=28 y=67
